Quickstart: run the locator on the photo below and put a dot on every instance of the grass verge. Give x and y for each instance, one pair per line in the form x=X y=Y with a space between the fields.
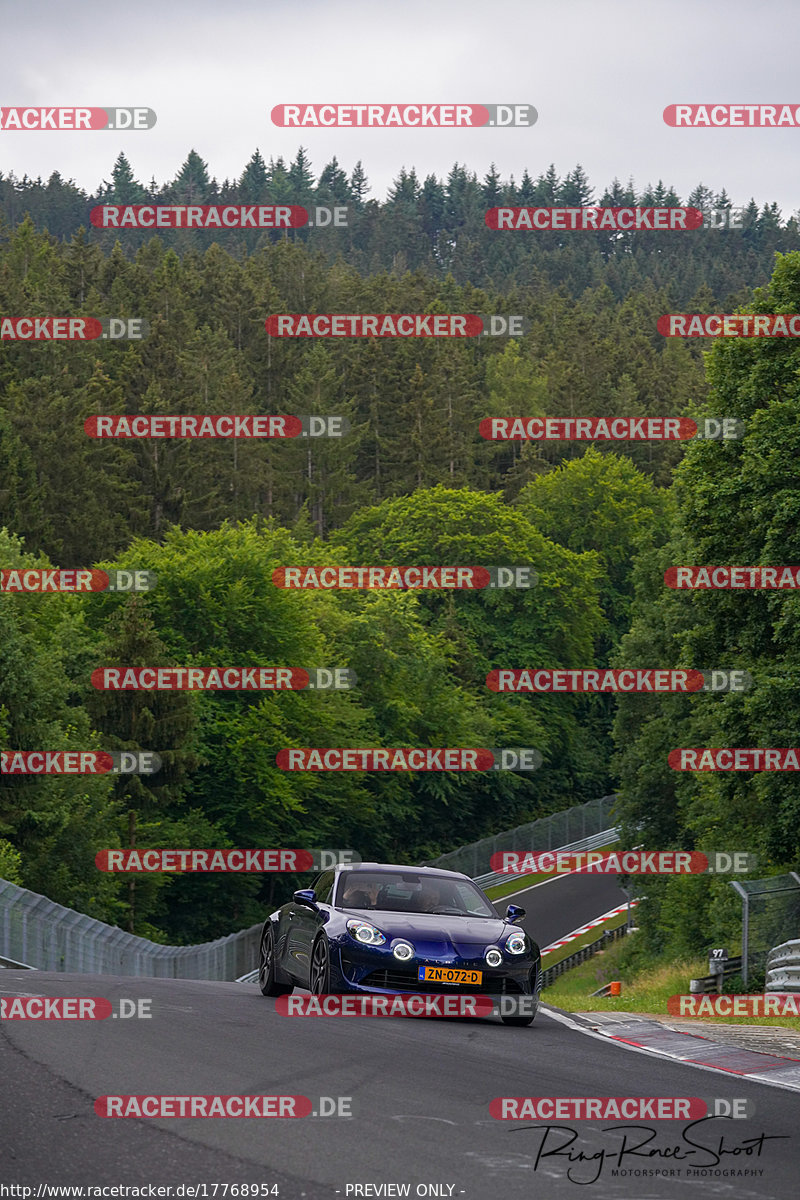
x=645 y=990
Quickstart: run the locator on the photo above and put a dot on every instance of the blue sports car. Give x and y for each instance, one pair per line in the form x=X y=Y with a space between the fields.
x=376 y=928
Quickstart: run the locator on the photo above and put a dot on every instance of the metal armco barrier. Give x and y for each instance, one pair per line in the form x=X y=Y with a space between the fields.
x=552 y=832
x=17 y=966
x=38 y=933
x=606 y=837
x=708 y=983
x=35 y=931
x=551 y=974
x=783 y=968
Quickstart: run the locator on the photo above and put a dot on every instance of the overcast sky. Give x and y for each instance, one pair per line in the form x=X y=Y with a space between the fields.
x=599 y=72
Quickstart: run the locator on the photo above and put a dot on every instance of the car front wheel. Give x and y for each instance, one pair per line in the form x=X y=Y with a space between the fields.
x=319 y=981
x=531 y=997
x=517 y=1020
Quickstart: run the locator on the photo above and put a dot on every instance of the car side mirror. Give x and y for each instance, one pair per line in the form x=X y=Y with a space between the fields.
x=306 y=897
x=514 y=913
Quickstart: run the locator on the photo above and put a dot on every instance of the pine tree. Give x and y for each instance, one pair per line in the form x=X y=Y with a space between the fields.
x=431 y=208
x=576 y=191
x=404 y=190
x=770 y=217
x=279 y=185
x=359 y=185
x=332 y=185
x=617 y=196
x=253 y=183
x=526 y=191
x=83 y=262
x=547 y=188
x=701 y=197
x=191 y=185
x=490 y=188
x=22 y=506
x=301 y=179
x=324 y=467
x=124 y=188
x=750 y=217
x=457 y=192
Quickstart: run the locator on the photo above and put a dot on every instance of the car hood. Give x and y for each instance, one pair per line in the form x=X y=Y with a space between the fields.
x=432 y=927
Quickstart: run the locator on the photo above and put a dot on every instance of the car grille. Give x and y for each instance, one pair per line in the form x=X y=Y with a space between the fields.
x=406 y=981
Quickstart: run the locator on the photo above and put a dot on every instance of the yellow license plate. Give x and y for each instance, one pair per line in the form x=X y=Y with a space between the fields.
x=449 y=975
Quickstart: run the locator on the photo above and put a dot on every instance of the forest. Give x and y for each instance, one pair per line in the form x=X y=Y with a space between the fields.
x=411 y=481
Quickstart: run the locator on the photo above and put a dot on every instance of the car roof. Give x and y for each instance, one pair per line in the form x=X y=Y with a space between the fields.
x=376 y=868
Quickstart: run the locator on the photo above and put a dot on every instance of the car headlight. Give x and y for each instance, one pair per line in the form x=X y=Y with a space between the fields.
x=403 y=950
x=516 y=944
x=494 y=957
x=365 y=933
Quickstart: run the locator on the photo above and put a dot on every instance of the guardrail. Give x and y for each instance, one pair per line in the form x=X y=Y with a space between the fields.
x=552 y=832
x=605 y=838
x=708 y=983
x=17 y=966
x=37 y=930
x=783 y=968
x=598 y=839
x=550 y=974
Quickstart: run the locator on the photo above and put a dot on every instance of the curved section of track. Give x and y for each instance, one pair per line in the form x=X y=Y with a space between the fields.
x=420 y=1100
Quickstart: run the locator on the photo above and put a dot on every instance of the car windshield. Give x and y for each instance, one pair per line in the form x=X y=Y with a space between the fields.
x=411 y=892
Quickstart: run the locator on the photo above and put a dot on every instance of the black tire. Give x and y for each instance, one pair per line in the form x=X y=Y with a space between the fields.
x=319 y=968
x=532 y=995
x=266 y=966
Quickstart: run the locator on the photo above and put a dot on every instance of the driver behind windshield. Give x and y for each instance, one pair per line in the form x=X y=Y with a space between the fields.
x=355 y=896
x=429 y=897
x=406 y=893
